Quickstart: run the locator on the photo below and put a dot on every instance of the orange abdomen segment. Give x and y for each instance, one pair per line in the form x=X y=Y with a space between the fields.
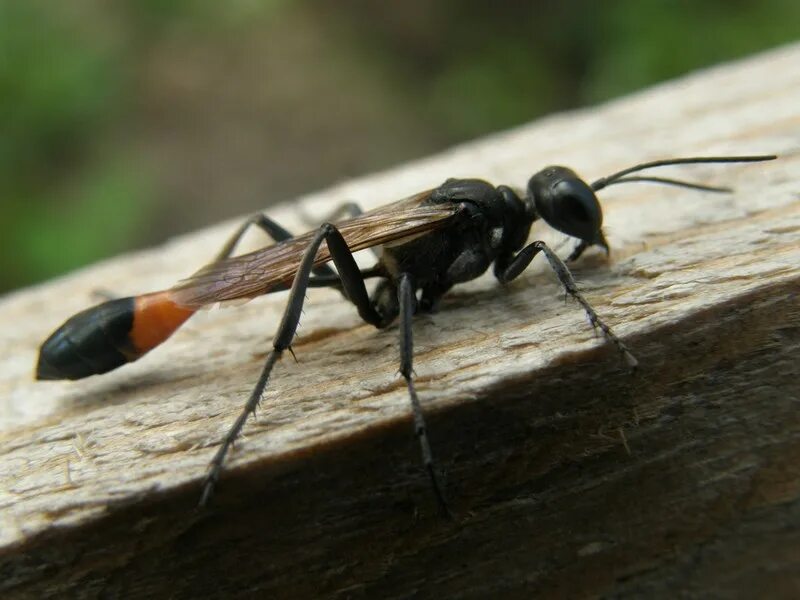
x=155 y=318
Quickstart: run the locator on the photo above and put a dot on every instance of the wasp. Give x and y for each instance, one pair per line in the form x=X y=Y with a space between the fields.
x=428 y=243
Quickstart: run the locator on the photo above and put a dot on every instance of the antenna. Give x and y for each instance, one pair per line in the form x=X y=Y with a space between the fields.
x=620 y=176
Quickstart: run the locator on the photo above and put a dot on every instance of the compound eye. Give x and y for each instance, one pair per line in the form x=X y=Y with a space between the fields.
x=576 y=206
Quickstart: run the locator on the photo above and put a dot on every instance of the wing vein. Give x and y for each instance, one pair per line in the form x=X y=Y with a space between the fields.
x=264 y=270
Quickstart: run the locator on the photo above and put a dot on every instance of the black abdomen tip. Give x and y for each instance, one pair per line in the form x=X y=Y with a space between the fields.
x=89 y=343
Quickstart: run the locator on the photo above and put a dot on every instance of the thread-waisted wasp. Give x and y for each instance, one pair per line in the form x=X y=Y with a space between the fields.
x=429 y=242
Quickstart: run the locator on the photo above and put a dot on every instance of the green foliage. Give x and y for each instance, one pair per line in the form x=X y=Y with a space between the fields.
x=490 y=88
x=57 y=88
x=54 y=85
x=204 y=14
x=102 y=216
x=638 y=43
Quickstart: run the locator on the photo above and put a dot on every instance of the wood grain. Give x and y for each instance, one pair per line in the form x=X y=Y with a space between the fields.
x=569 y=477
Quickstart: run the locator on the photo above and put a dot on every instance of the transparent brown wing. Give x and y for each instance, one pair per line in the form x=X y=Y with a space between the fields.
x=256 y=273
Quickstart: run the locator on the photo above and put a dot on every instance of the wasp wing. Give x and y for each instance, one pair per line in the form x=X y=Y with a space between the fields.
x=259 y=272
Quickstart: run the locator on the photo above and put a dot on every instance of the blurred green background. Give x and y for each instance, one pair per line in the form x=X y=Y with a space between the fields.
x=122 y=123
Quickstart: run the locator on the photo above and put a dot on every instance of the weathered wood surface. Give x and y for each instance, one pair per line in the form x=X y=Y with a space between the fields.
x=568 y=476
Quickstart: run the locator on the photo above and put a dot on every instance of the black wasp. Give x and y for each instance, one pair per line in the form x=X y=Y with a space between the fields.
x=429 y=242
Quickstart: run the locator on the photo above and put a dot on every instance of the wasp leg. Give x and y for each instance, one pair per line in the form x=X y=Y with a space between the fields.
x=407 y=301
x=582 y=245
x=353 y=287
x=346 y=210
x=579 y=249
x=263 y=222
x=509 y=269
x=327 y=277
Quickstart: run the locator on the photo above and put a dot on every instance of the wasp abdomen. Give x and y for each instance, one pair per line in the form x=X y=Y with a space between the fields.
x=109 y=335
x=93 y=341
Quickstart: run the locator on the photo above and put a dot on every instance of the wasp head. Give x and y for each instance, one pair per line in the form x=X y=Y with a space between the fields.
x=566 y=203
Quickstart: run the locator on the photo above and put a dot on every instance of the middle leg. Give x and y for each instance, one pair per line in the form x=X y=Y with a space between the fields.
x=407 y=302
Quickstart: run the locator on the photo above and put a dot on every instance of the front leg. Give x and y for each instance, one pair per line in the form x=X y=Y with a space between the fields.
x=582 y=245
x=511 y=267
x=580 y=248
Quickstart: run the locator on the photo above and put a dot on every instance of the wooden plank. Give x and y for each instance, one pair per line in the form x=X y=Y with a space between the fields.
x=568 y=476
